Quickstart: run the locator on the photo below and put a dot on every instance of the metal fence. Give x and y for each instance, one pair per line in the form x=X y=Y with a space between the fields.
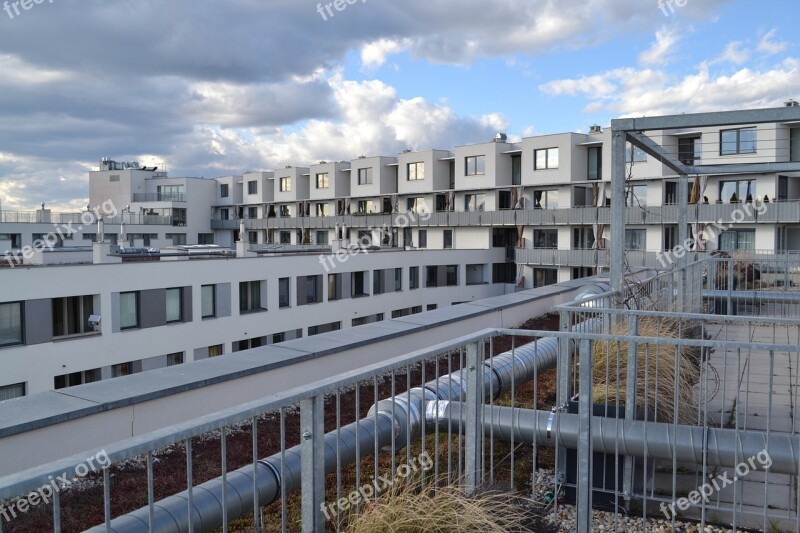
x=634 y=410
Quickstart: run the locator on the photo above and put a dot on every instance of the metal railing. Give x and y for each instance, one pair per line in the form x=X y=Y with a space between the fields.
x=85 y=219
x=673 y=397
x=159 y=197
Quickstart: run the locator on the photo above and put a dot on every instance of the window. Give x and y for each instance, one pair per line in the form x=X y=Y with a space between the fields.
x=286 y=237
x=334 y=287
x=322 y=210
x=285 y=184
x=432 y=307
x=252 y=212
x=286 y=211
x=783 y=188
x=323 y=180
x=216 y=350
x=252 y=187
x=175 y=359
x=113 y=178
x=129 y=310
x=431 y=276
x=11 y=324
x=202 y=238
x=738 y=141
x=546 y=158
x=544 y=276
x=250 y=296
x=516 y=170
x=451 y=275
x=365 y=176
x=283 y=292
x=415 y=205
x=413 y=277
x=170 y=193
x=582 y=238
x=365 y=206
x=9 y=392
x=208 y=301
x=416 y=171
x=595 y=165
x=312 y=290
x=124 y=369
x=224 y=214
x=634 y=154
x=794 y=144
x=174 y=307
x=545 y=199
x=545 y=238
x=357 y=280
x=635 y=239
x=423 y=238
x=71 y=315
x=504 y=200
x=475 y=165
x=322 y=238
x=741 y=239
x=448 y=239
x=324 y=328
x=178 y=239
x=76 y=378
x=474 y=202
x=224 y=190
x=636 y=195
x=378 y=282
x=690 y=150
x=398 y=279
x=737 y=191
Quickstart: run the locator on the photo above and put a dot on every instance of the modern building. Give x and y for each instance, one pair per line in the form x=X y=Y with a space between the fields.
x=356 y=243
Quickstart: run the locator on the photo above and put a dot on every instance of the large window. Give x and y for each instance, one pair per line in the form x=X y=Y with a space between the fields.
x=582 y=238
x=475 y=165
x=474 y=202
x=595 y=163
x=129 y=310
x=546 y=158
x=635 y=239
x=737 y=191
x=634 y=154
x=740 y=239
x=224 y=190
x=322 y=238
x=416 y=171
x=170 y=193
x=174 y=307
x=545 y=238
x=545 y=199
x=323 y=180
x=9 y=392
x=71 y=315
x=738 y=141
x=285 y=184
x=250 y=296
x=636 y=195
x=252 y=187
x=365 y=176
x=690 y=150
x=208 y=299
x=415 y=205
x=10 y=323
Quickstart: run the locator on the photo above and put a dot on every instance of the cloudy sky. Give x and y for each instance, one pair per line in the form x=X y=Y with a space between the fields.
x=220 y=87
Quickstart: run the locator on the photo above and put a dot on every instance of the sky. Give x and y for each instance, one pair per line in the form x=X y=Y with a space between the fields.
x=213 y=88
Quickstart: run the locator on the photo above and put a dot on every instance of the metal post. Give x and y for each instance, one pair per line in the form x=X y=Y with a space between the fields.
x=474 y=422
x=563 y=390
x=630 y=400
x=312 y=454
x=617 y=260
x=683 y=237
x=584 y=484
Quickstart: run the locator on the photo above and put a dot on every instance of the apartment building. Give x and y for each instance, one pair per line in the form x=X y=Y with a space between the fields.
x=466 y=223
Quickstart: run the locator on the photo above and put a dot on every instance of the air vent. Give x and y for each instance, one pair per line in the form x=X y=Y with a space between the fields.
x=595 y=129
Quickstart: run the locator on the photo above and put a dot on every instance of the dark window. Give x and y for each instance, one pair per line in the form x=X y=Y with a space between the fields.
x=413 y=277
x=595 y=163
x=252 y=187
x=690 y=150
x=71 y=315
x=250 y=296
x=223 y=190
x=283 y=292
x=11 y=320
x=448 y=238
x=423 y=238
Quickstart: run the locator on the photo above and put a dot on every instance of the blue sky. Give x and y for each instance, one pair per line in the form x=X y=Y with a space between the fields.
x=213 y=88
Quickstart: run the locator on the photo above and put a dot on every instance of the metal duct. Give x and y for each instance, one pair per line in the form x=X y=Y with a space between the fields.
x=753 y=296
x=635 y=438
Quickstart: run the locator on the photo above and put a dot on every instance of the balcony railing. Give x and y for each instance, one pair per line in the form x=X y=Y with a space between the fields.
x=81 y=219
x=159 y=197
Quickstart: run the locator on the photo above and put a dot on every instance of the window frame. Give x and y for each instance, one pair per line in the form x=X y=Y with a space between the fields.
x=252 y=187
x=365 y=176
x=285 y=184
x=21 y=313
x=137 y=311
x=548 y=163
x=213 y=301
x=323 y=180
x=475 y=165
x=419 y=171
x=180 y=304
x=738 y=149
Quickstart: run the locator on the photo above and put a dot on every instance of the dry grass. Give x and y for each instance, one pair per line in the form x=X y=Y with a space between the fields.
x=416 y=510
x=656 y=376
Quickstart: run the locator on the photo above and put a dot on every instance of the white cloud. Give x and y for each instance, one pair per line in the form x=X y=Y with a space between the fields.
x=733 y=53
x=374 y=54
x=661 y=50
x=769 y=47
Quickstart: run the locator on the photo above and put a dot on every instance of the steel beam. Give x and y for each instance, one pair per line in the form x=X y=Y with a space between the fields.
x=708 y=120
